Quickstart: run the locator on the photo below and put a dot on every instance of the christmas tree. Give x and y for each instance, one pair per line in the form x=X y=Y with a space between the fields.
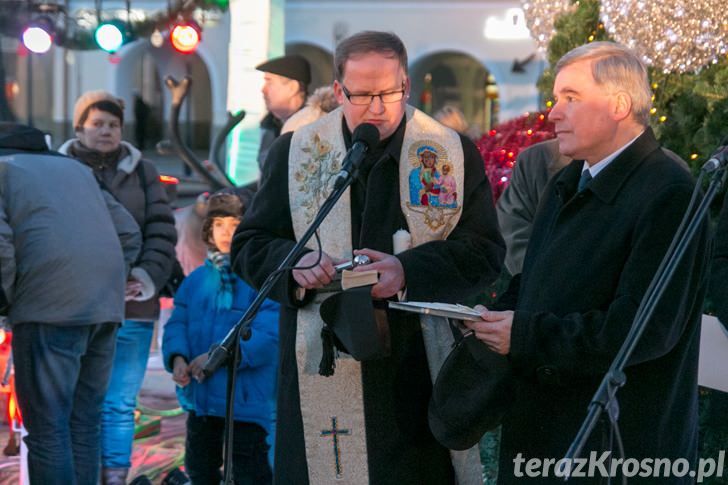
x=689 y=110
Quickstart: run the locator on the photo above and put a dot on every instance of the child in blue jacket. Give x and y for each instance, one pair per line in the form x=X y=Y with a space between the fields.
x=207 y=305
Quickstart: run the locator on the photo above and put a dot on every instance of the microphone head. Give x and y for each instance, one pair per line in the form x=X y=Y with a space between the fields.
x=366 y=133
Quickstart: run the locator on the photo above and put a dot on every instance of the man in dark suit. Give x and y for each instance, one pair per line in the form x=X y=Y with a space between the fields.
x=603 y=226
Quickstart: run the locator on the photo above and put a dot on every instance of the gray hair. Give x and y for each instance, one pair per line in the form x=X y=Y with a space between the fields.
x=616 y=68
x=385 y=43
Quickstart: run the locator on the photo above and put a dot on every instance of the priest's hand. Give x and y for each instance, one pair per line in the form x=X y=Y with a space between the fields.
x=391 y=272
x=318 y=276
x=494 y=330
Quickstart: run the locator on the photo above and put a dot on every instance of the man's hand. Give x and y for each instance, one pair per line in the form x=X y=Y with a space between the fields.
x=179 y=371
x=494 y=330
x=195 y=367
x=318 y=276
x=391 y=272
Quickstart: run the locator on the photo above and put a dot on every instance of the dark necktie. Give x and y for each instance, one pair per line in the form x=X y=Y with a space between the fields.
x=586 y=177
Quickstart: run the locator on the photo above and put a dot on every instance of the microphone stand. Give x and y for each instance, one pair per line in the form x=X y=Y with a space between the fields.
x=229 y=349
x=605 y=399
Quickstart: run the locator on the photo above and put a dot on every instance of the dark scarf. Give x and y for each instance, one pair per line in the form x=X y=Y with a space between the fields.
x=95 y=159
x=221 y=262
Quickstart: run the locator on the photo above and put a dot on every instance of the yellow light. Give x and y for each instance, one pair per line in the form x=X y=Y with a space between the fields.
x=653 y=111
x=590 y=38
x=693 y=156
x=549 y=104
x=168 y=180
x=663 y=118
x=14 y=410
x=654 y=85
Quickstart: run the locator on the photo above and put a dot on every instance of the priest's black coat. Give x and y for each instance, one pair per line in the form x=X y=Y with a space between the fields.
x=401 y=449
x=590 y=259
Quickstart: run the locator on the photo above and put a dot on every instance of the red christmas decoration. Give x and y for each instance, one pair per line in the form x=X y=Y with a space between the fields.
x=501 y=145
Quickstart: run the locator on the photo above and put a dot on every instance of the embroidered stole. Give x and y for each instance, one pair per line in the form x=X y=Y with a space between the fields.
x=431 y=177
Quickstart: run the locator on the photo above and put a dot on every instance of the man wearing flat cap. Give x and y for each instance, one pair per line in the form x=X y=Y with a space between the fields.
x=284 y=91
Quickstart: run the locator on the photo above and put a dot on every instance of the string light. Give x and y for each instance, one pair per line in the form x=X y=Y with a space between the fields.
x=110 y=36
x=156 y=39
x=37 y=39
x=185 y=37
x=540 y=16
x=672 y=35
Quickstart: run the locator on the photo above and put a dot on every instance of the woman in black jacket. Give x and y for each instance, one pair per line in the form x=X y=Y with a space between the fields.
x=98 y=119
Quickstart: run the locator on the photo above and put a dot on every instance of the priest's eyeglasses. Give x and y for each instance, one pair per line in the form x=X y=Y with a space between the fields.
x=366 y=99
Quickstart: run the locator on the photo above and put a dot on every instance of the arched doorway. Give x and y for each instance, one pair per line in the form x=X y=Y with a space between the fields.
x=142 y=70
x=147 y=102
x=455 y=79
x=322 y=63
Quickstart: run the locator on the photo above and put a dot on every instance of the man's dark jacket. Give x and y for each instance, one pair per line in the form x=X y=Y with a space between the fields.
x=516 y=207
x=401 y=449
x=590 y=259
x=719 y=268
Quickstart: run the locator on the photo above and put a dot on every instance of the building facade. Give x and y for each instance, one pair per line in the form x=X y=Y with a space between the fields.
x=462 y=53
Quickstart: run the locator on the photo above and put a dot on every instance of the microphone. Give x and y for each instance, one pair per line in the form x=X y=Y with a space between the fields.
x=364 y=138
x=719 y=158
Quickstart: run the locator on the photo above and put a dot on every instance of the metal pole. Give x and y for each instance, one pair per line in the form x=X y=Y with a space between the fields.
x=29 y=94
x=65 y=130
x=66 y=81
x=188 y=113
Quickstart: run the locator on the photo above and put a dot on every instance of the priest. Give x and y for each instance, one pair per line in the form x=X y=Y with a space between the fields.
x=367 y=423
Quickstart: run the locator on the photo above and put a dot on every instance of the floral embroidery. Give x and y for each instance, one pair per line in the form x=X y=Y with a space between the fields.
x=316 y=175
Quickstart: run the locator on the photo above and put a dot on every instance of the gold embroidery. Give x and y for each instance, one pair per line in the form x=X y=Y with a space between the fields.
x=414 y=158
x=316 y=175
x=435 y=217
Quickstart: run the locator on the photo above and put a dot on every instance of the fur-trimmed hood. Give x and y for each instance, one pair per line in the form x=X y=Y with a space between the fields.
x=321 y=102
x=126 y=164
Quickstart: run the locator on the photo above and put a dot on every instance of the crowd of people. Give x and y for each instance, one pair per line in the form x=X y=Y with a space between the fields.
x=582 y=228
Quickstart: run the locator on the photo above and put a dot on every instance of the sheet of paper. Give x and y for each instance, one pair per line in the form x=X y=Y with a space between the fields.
x=447 y=310
x=713 y=364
